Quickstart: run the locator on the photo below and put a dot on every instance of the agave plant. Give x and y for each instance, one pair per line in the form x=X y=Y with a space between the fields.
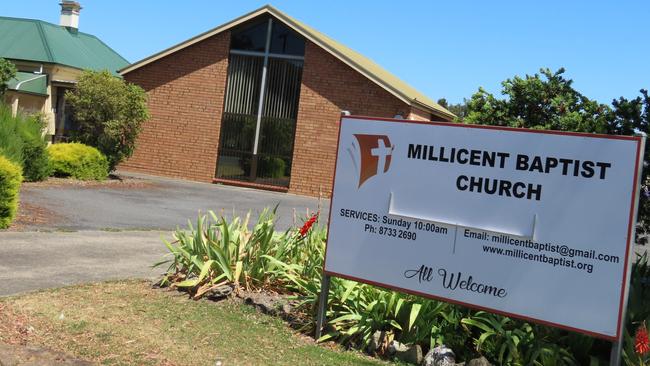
x=216 y=252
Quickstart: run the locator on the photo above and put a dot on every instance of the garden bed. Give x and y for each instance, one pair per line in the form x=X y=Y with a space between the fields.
x=113 y=181
x=32 y=215
x=216 y=252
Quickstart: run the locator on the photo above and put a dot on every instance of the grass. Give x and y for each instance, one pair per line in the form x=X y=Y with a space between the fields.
x=129 y=323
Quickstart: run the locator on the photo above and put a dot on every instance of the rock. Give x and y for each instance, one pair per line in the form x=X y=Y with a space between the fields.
x=411 y=354
x=220 y=292
x=269 y=303
x=440 y=356
x=160 y=282
x=482 y=361
x=395 y=347
x=376 y=342
x=263 y=303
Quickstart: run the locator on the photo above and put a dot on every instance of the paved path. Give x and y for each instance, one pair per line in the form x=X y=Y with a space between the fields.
x=37 y=260
x=164 y=205
x=49 y=255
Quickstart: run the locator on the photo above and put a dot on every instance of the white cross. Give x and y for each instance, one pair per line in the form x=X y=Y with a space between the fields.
x=381 y=151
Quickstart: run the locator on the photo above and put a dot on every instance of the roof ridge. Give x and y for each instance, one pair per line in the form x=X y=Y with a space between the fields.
x=17 y=18
x=49 y=43
x=367 y=72
x=357 y=61
x=47 y=23
x=46 y=45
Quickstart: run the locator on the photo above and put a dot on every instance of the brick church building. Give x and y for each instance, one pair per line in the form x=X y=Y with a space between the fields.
x=257 y=102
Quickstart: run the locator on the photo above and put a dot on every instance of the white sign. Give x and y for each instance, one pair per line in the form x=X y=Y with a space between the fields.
x=530 y=224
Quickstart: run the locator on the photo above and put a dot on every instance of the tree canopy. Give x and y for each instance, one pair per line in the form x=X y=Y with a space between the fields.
x=541 y=101
x=548 y=101
x=7 y=71
x=109 y=112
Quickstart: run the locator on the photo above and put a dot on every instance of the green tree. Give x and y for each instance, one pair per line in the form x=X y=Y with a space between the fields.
x=7 y=71
x=109 y=113
x=630 y=117
x=547 y=101
x=460 y=109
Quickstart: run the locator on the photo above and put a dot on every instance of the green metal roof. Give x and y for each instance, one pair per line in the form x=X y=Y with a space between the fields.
x=39 y=41
x=28 y=82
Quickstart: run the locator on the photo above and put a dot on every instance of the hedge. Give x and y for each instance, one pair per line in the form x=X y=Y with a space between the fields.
x=78 y=161
x=10 y=179
x=23 y=143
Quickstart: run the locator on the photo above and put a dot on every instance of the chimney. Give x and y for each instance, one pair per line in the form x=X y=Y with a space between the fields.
x=69 y=14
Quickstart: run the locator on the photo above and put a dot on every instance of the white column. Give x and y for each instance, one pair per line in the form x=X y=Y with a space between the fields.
x=260 y=107
x=14 y=105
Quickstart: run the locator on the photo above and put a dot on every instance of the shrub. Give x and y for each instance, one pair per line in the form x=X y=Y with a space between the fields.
x=78 y=161
x=10 y=179
x=109 y=112
x=7 y=71
x=22 y=142
x=36 y=159
x=11 y=143
x=36 y=165
x=271 y=167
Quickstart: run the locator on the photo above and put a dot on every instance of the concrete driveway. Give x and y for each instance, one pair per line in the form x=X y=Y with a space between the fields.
x=161 y=204
x=114 y=232
x=37 y=260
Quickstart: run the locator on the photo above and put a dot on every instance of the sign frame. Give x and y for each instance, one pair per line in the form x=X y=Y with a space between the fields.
x=629 y=252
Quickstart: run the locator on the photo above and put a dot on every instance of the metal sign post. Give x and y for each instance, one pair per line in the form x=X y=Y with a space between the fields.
x=617 y=346
x=322 y=305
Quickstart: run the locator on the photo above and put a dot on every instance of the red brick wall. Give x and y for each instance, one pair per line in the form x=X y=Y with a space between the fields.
x=186 y=95
x=329 y=86
x=419 y=115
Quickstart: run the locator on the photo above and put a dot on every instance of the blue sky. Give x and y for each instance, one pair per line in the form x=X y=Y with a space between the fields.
x=443 y=48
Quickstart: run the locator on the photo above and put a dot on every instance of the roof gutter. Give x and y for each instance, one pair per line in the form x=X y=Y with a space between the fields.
x=445 y=113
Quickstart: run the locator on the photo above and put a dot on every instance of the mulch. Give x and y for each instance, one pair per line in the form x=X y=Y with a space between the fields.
x=113 y=181
x=30 y=215
x=14 y=326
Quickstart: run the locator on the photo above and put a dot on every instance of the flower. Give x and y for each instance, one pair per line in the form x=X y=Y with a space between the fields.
x=308 y=224
x=641 y=342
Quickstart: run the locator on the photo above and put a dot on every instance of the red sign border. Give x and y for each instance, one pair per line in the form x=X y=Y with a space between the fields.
x=631 y=222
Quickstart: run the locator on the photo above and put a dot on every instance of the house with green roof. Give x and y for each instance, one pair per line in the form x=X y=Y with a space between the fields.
x=50 y=58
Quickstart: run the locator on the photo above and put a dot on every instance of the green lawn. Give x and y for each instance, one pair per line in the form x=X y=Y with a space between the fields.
x=128 y=323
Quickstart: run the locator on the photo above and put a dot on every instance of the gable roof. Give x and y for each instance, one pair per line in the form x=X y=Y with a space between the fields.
x=39 y=41
x=358 y=62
